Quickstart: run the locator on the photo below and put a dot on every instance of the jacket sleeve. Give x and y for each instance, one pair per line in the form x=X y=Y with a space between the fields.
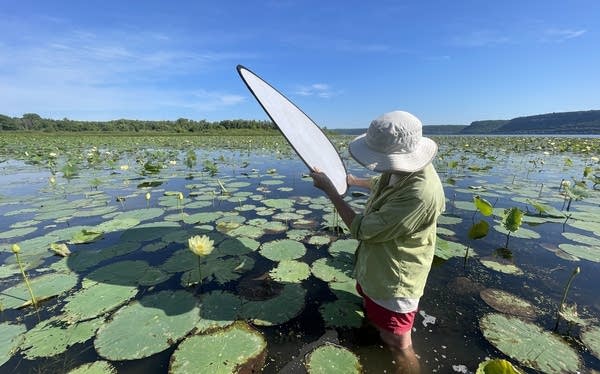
x=398 y=217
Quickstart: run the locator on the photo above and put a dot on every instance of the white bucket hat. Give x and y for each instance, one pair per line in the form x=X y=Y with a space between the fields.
x=394 y=142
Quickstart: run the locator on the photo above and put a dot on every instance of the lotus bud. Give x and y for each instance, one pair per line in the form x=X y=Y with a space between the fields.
x=124 y=167
x=577 y=270
x=15 y=248
x=180 y=196
x=52 y=179
x=147 y=195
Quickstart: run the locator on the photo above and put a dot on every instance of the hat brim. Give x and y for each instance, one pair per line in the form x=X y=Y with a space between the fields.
x=422 y=155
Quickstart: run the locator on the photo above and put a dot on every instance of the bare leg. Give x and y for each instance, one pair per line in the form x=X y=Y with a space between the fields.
x=402 y=351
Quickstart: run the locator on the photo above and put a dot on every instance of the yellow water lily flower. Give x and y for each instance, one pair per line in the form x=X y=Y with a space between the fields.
x=124 y=167
x=15 y=248
x=200 y=245
x=147 y=195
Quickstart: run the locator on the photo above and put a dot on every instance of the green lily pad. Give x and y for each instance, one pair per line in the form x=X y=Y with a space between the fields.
x=585 y=225
x=582 y=251
x=449 y=220
x=278 y=203
x=446 y=249
x=277 y=310
x=52 y=337
x=582 y=239
x=96 y=300
x=236 y=349
x=319 y=240
x=147 y=326
x=342 y=314
x=497 y=366
x=343 y=245
x=280 y=250
x=336 y=269
x=127 y=273
x=508 y=303
x=591 y=339
x=238 y=246
x=249 y=231
x=149 y=231
x=522 y=232
x=330 y=358
x=218 y=269
x=219 y=309
x=86 y=236
x=501 y=266
x=15 y=233
x=98 y=367
x=290 y=271
x=116 y=224
x=529 y=344
x=11 y=336
x=44 y=287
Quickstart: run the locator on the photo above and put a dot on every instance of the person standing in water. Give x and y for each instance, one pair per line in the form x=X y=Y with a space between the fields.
x=397 y=230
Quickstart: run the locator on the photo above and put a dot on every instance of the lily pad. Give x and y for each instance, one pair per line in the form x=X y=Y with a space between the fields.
x=147 y=326
x=342 y=313
x=582 y=251
x=11 y=336
x=501 y=266
x=446 y=249
x=52 y=337
x=280 y=309
x=98 y=367
x=330 y=358
x=15 y=233
x=336 y=269
x=591 y=339
x=44 y=287
x=497 y=366
x=127 y=273
x=290 y=271
x=529 y=344
x=280 y=250
x=522 y=232
x=97 y=299
x=236 y=349
x=508 y=303
x=219 y=309
x=582 y=239
x=343 y=245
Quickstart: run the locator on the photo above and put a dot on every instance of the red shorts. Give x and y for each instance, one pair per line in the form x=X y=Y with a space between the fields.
x=388 y=320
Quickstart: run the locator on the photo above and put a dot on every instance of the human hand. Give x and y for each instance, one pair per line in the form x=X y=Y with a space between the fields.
x=322 y=181
x=351 y=180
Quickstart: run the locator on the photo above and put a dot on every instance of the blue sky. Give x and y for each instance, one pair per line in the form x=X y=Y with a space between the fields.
x=343 y=62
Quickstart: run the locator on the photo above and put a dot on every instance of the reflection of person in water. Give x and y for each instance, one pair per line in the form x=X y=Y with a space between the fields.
x=397 y=230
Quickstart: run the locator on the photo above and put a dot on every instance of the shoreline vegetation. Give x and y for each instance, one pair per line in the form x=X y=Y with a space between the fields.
x=565 y=123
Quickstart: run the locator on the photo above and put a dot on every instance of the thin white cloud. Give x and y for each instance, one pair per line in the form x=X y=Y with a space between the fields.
x=89 y=75
x=321 y=90
x=560 y=35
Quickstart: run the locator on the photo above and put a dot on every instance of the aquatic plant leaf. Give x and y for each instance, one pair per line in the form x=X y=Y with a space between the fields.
x=249 y=231
x=86 y=236
x=15 y=233
x=346 y=291
x=479 y=230
x=336 y=269
x=285 y=249
x=591 y=339
x=97 y=367
x=449 y=220
x=44 y=287
x=501 y=266
x=529 y=344
x=11 y=336
x=508 y=303
x=583 y=239
x=218 y=309
x=583 y=252
x=343 y=245
x=237 y=246
x=523 y=232
x=235 y=349
x=544 y=209
x=96 y=299
x=512 y=220
x=52 y=337
x=60 y=249
x=446 y=249
x=149 y=231
x=342 y=314
x=496 y=366
x=277 y=310
x=126 y=273
x=332 y=359
x=319 y=240
x=483 y=206
x=290 y=271
x=278 y=203
x=147 y=326
x=116 y=224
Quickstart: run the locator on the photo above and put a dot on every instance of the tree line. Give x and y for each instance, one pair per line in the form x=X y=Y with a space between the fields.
x=33 y=122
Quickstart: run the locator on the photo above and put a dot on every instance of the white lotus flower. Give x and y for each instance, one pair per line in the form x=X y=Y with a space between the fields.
x=201 y=245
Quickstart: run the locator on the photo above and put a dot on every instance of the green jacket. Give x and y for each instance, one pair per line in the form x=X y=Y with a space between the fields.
x=397 y=233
